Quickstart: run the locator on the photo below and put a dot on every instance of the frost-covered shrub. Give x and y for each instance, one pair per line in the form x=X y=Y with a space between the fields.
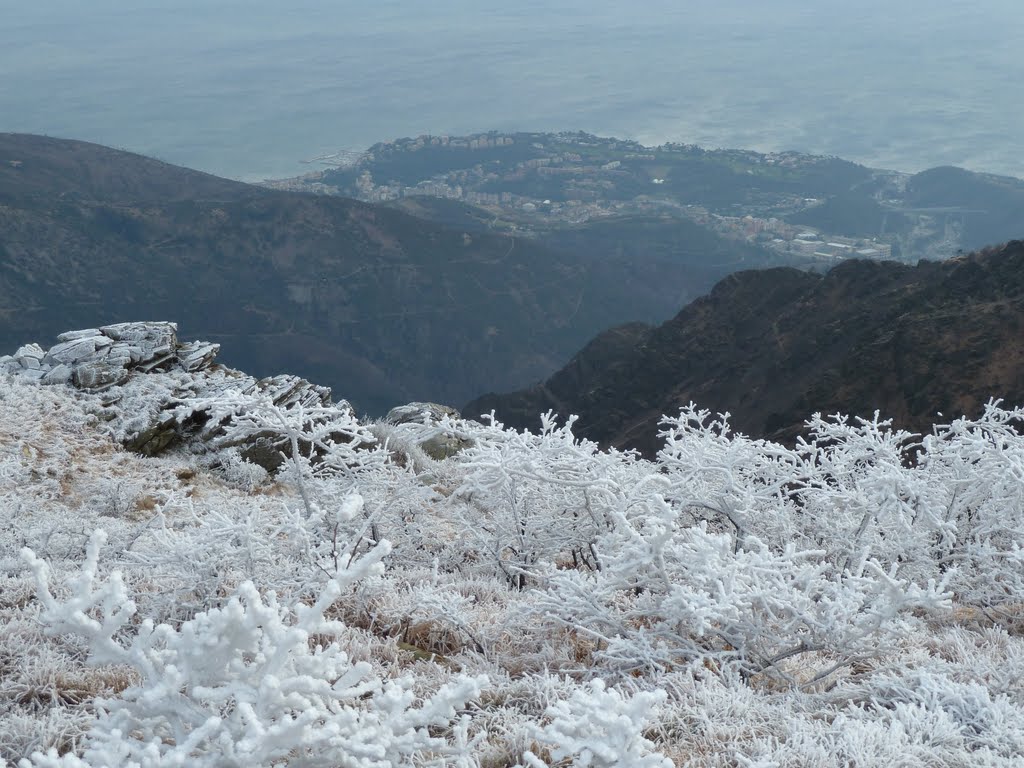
x=847 y=488
x=861 y=497
x=529 y=499
x=734 y=484
x=251 y=683
x=669 y=595
x=241 y=473
x=599 y=727
x=975 y=468
x=305 y=440
x=948 y=506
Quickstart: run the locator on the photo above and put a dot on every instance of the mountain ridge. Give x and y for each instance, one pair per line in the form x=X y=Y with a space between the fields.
x=89 y=171
x=772 y=346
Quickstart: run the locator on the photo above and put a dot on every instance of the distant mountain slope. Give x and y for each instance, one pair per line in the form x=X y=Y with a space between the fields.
x=383 y=306
x=996 y=203
x=449 y=213
x=33 y=166
x=773 y=346
x=853 y=214
x=973 y=208
x=665 y=259
x=662 y=261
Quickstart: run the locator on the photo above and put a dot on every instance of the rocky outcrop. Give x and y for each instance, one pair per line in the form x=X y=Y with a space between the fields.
x=155 y=393
x=147 y=383
x=178 y=419
x=435 y=441
x=96 y=359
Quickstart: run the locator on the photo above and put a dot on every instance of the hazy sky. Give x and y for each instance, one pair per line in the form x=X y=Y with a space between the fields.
x=249 y=89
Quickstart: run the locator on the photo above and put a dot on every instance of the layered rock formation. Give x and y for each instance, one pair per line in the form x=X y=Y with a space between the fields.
x=142 y=376
x=95 y=359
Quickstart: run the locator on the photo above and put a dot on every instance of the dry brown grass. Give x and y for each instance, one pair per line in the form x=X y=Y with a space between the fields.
x=146 y=503
x=276 y=488
x=16 y=593
x=36 y=689
x=1009 y=616
x=429 y=637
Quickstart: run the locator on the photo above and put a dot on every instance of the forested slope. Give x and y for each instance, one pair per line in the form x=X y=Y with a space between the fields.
x=773 y=346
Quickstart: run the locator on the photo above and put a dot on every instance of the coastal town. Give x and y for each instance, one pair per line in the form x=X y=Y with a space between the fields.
x=537 y=181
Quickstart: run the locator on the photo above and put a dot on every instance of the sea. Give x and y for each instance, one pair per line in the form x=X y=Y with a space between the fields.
x=258 y=89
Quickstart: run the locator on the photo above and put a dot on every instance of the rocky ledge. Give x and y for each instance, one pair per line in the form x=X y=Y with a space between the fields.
x=156 y=392
x=95 y=359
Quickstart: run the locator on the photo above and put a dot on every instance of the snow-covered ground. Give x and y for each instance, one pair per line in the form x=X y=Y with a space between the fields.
x=527 y=600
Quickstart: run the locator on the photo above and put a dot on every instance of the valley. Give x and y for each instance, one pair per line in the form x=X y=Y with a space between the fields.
x=383 y=306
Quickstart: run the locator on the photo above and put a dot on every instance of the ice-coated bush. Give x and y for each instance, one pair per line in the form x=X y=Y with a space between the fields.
x=670 y=595
x=526 y=499
x=598 y=727
x=250 y=683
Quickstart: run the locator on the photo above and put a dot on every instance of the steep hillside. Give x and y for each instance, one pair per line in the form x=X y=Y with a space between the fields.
x=771 y=347
x=381 y=305
x=201 y=568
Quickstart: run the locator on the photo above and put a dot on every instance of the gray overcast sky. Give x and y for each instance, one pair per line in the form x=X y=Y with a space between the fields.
x=249 y=89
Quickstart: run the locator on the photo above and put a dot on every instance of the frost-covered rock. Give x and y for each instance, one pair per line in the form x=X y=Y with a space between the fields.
x=259 y=418
x=95 y=359
x=420 y=413
x=159 y=337
x=79 y=349
x=146 y=376
x=197 y=355
x=158 y=435
x=34 y=374
x=82 y=333
x=96 y=376
x=59 y=374
x=29 y=351
x=435 y=441
x=286 y=391
x=154 y=392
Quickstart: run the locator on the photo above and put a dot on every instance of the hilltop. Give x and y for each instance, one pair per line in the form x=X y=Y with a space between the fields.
x=200 y=566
